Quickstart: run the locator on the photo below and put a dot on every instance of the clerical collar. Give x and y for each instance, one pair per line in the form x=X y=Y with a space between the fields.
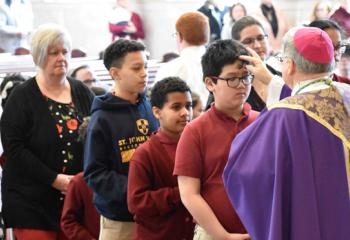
x=312 y=85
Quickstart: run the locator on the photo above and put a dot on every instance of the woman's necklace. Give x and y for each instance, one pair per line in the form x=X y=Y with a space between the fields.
x=326 y=81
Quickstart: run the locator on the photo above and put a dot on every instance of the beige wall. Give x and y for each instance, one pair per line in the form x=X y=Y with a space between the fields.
x=86 y=20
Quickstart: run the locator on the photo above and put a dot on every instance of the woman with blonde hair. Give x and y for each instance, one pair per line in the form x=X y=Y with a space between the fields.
x=321 y=11
x=39 y=130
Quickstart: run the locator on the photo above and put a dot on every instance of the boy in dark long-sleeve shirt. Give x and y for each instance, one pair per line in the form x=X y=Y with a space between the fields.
x=153 y=194
x=79 y=220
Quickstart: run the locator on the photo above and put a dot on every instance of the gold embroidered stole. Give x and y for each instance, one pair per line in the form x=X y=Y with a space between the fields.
x=326 y=107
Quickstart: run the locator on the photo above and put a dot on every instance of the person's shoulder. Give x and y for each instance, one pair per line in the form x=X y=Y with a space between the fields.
x=170 y=65
x=338 y=12
x=24 y=88
x=170 y=68
x=282 y=110
x=200 y=122
x=341 y=79
x=144 y=150
x=76 y=84
x=144 y=99
x=204 y=9
x=253 y=114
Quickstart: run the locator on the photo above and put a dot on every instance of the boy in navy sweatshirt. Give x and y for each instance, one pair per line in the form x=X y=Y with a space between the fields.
x=120 y=122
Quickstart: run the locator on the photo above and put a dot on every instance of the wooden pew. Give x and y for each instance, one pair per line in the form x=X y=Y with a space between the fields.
x=24 y=64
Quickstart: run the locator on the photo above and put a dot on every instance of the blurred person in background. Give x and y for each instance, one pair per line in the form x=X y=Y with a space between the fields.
x=8 y=84
x=342 y=16
x=197 y=105
x=16 y=22
x=334 y=32
x=274 y=21
x=124 y=23
x=343 y=65
x=321 y=11
x=215 y=15
x=237 y=11
x=192 y=34
x=85 y=74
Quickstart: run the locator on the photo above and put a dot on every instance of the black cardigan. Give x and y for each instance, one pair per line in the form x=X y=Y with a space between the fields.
x=30 y=141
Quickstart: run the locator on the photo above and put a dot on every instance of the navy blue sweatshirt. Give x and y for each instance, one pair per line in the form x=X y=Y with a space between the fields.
x=117 y=127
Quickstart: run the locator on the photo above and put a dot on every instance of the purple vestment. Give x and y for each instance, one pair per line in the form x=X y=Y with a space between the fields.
x=285 y=92
x=287 y=172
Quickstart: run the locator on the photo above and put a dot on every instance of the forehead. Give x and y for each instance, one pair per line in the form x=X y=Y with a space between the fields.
x=236 y=67
x=84 y=71
x=321 y=5
x=178 y=97
x=333 y=34
x=57 y=45
x=251 y=31
x=138 y=57
x=238 y=8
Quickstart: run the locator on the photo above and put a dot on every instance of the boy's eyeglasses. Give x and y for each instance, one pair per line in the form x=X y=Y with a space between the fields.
x=233 y=82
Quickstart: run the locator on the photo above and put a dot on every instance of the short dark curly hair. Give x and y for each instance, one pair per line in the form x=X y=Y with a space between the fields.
x=167 y=85
x=116 y=51
x=219 y=54
x=325 y=24
x=15 y=79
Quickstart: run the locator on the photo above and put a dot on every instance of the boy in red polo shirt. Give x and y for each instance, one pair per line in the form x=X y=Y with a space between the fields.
x=153 y=194
x=204 y=145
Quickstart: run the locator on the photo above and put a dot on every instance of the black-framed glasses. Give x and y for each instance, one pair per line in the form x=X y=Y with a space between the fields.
x=340 y=47
x=260 y=38
x=233 y=82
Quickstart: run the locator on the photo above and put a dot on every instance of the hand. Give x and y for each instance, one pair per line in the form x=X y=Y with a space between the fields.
x=130 y=28
x=237 y=236
x=61 y=182
x=257 y=67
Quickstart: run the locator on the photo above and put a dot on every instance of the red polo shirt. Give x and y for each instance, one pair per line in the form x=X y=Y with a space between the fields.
x=202 y=153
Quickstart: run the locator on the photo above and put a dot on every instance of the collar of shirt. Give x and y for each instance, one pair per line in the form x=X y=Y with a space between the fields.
x=193 y=51
x=245 y=113
x=165 y=139
x=312 y=87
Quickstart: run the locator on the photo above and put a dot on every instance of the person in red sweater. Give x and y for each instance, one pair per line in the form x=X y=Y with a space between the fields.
x=79 y=220
x=204 y=145
x=125 y=23
x=153 y=194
